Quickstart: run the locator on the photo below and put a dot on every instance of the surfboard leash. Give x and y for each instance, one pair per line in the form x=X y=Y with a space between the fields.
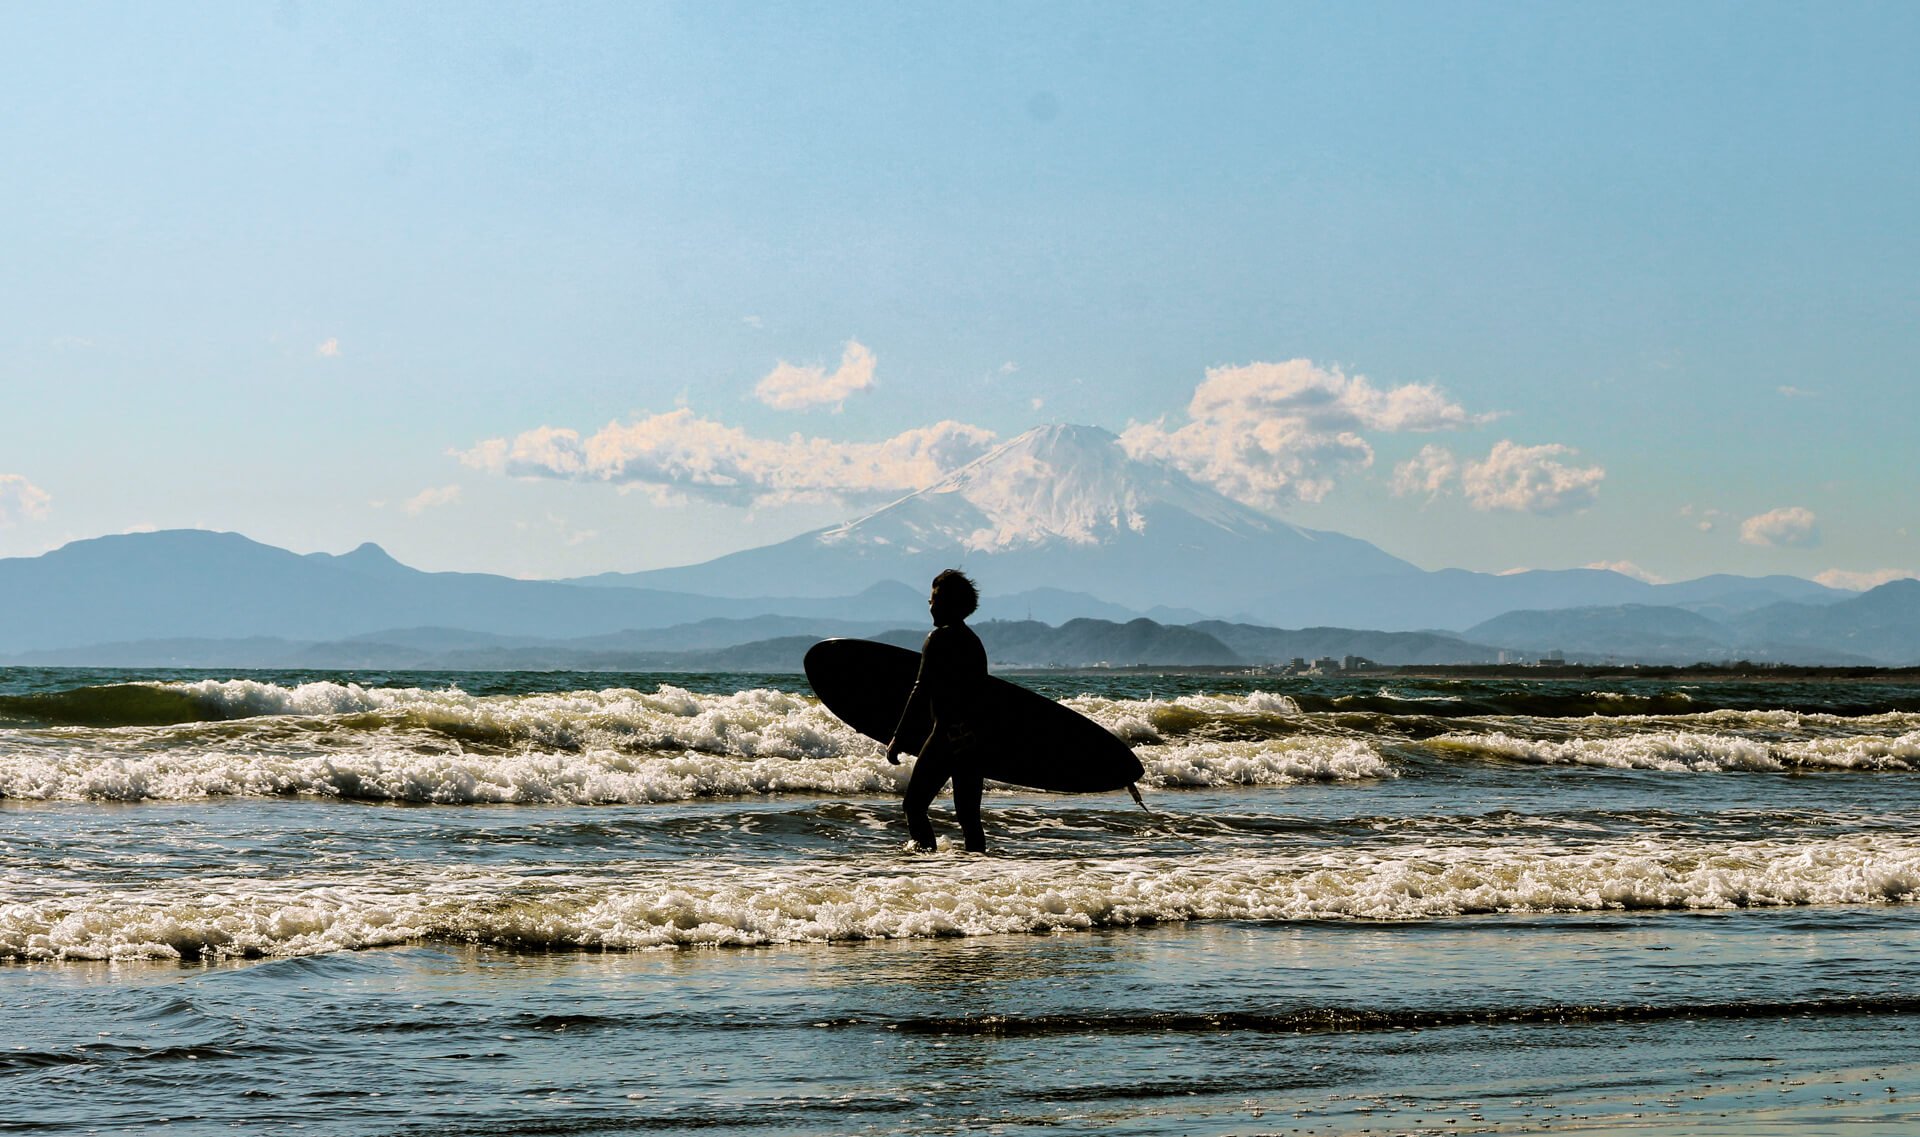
x=1134 y=789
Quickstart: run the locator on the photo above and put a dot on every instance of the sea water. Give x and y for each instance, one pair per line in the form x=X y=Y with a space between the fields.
x=549 y=903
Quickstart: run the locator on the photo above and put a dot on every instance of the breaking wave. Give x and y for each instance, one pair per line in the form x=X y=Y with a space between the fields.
x=249 y=738
x=709 y=904
x=223 y=737
x=1675 y=750
x=452 y=776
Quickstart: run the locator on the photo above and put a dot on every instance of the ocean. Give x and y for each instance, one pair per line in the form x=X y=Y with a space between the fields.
x=558 y=903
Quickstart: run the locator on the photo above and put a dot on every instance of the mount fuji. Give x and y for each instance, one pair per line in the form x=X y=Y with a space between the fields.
x=1060 y=507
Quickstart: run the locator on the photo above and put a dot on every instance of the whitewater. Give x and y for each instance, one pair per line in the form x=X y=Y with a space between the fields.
x=551 y=902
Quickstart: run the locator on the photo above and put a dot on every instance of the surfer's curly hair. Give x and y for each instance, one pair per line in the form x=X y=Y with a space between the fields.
x=955 y=589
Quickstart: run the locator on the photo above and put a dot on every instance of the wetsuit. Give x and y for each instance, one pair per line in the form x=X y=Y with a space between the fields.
x=953 y=671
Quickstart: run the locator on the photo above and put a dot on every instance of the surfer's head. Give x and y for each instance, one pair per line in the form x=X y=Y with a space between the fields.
x=953 y=598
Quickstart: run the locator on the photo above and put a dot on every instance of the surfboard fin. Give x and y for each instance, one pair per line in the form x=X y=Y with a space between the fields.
x=1135 y=791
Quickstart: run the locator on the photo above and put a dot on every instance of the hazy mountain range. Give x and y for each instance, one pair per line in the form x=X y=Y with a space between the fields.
x=1877 y=627
x=1112 y=556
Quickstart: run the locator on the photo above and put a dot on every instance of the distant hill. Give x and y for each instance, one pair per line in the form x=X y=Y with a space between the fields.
x=1642 y=632
x=1880 y=628
x=1457 y=599
x=1257 y=644
x=1087 y=643
x=193 y=584
x=1882 y=625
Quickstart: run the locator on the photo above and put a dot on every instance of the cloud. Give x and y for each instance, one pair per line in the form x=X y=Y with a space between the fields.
x=790 y=388
x=679 y=453
x=1512 y=477
x=1792 y=392
x=1427 y=472
x=20 y=500
x=1790 y=526
x=1862 y=581
x=430 y=498
x=1269 y=433
x=1628 y=568
x=329 y=348
x=1529 y=479
x=1265 y=433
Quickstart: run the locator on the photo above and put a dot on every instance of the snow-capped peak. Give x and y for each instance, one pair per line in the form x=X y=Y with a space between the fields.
x=1059 y=483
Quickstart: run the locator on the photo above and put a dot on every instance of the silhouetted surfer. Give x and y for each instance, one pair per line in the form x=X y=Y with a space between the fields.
x=953 y=670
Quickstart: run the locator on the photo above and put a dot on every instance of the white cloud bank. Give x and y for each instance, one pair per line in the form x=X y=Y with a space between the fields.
x=1862 y=581
x=1530 y=479
x=1267 y=434
x=1270 y=433
x=1512 y=478
x=681 y=454
x=21 y=500
x=1790 y=526
x=791 y=388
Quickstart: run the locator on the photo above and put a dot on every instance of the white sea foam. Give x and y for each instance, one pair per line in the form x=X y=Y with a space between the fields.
x=576 y=747
x=650 y=905
x=1675 y=750
x=381 y=768
x=1309 y=758
x=344 y=740
x=628 y=746
x=751 y=723
x=377 y=770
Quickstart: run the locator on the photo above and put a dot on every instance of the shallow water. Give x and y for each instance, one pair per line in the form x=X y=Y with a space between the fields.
x=573 y=904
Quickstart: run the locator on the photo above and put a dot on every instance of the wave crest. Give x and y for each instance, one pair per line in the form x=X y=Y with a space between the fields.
x=1683 y=751
x=651 y=905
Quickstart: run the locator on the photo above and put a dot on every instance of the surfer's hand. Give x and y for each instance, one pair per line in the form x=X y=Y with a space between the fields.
x=893 y=751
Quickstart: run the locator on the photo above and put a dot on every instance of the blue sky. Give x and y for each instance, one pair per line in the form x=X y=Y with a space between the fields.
x=1512 y=285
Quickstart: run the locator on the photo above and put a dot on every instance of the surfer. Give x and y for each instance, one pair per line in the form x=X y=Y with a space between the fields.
x=953 y=671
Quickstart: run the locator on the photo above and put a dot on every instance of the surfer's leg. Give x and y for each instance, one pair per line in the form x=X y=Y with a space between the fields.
x=966 y=806
x=930 y=772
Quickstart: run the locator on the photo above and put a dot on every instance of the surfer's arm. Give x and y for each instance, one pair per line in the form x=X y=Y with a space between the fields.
x=915 y=714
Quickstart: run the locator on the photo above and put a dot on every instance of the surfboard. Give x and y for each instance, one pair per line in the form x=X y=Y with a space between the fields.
x=1033 y=741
